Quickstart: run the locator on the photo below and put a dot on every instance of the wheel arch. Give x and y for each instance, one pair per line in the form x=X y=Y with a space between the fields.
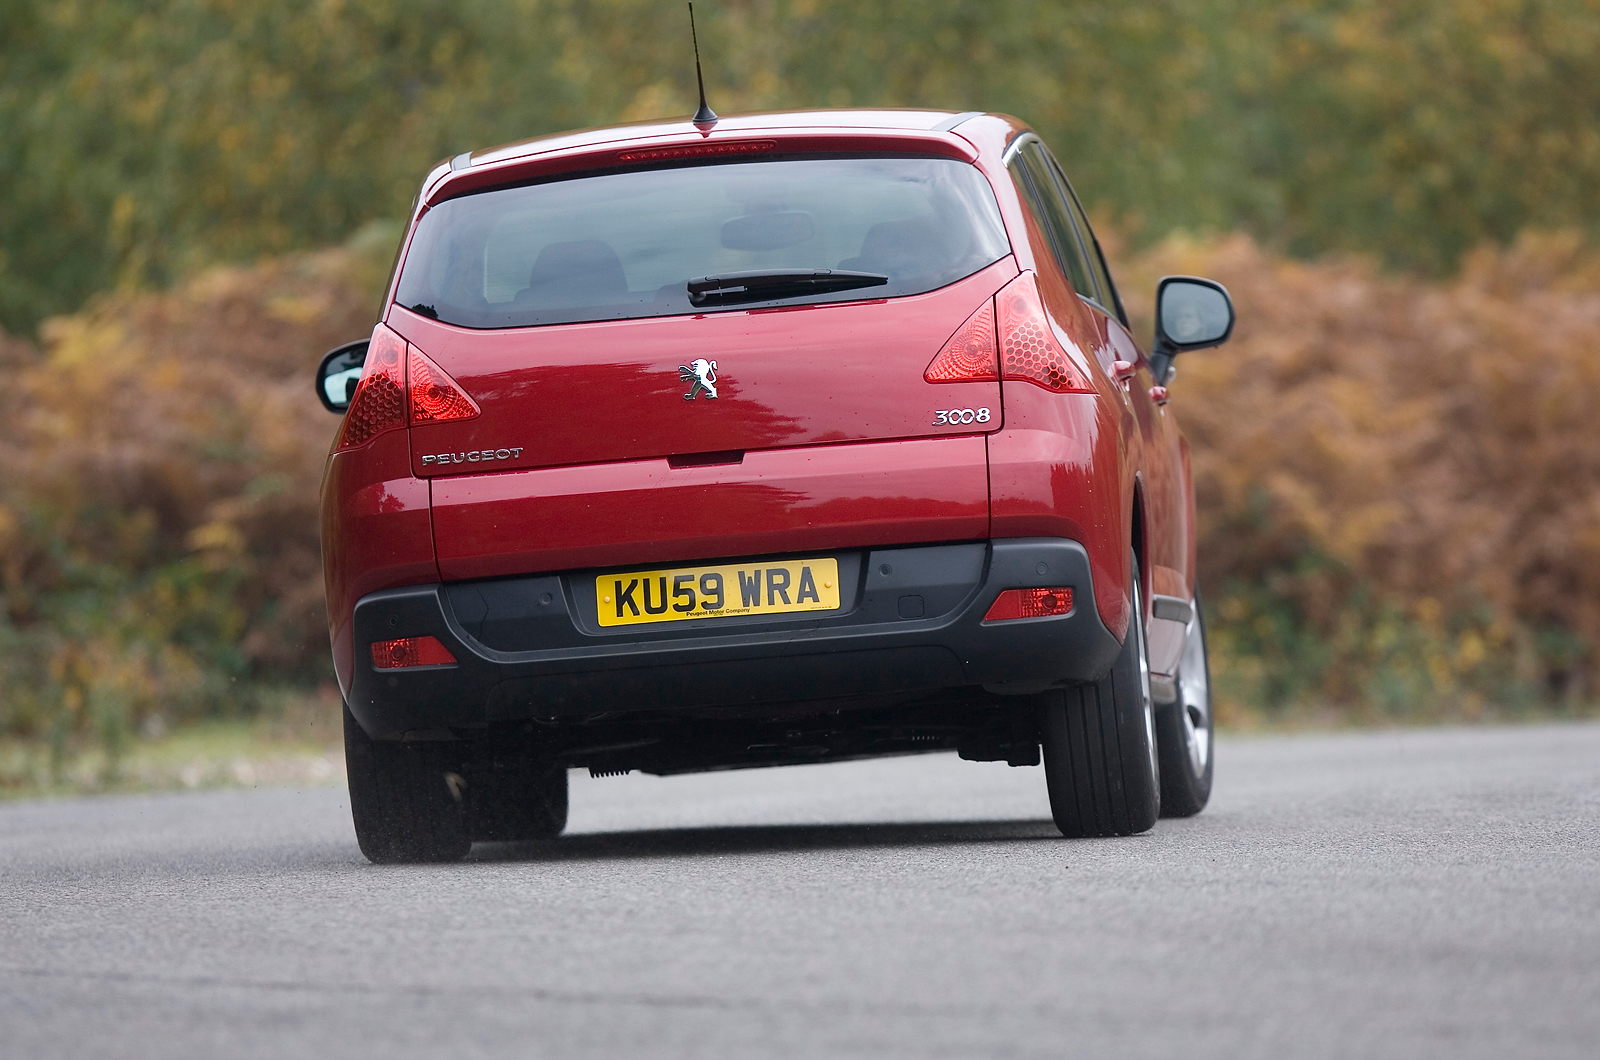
x=1138 y=539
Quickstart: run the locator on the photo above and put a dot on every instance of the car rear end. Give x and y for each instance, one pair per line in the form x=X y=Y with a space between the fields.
x=672 y=453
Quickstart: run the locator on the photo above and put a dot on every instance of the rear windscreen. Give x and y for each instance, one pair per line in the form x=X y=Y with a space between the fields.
x=627 y=244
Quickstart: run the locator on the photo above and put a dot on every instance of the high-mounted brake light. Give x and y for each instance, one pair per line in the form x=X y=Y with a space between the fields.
x=970 y=356
x=434 y=395
x=379 y=403
x=1028 y=348
x=410 y=651
x=668 y=154
x=1029 y=603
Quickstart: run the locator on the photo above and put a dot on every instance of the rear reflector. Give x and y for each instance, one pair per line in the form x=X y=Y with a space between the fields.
x=434 y=395
x=379 y=403
x=970 y=355
x=1027 y=603
x=1028 y=348
x=410 y=651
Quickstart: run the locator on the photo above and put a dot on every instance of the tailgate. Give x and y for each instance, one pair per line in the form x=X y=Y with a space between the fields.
x=622 y=390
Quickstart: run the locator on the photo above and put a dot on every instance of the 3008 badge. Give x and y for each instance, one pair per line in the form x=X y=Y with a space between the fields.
x=959 y=417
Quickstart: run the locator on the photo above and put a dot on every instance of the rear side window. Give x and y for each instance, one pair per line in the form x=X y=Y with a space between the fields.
x=625 y=245
x=1091 y=245
x=1031 y=170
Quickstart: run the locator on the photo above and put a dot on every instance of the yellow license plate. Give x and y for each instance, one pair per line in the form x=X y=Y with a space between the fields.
x=735 y=589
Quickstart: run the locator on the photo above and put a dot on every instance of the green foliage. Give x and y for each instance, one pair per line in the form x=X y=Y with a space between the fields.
x=139 y=140
x=159 y=557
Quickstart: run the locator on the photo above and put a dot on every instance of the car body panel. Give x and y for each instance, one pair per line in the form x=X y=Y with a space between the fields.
x=788 y=121
x=377 y=532
x=542 y=164
x=888 y=127
x=1038 y=483
x=647 y=511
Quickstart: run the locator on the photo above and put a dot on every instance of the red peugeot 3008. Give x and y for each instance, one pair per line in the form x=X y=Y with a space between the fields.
x=785 y=438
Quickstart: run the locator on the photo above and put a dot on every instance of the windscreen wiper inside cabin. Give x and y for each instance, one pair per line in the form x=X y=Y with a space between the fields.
x=762 y=285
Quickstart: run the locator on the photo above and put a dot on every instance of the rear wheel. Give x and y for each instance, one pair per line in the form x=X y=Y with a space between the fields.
x=1100 y=744
x=405 y=799
x=517 y=799
x=1184 y=730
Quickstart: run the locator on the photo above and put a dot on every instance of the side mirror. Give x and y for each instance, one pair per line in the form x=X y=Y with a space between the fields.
x=339 y=373
x=1191 y=314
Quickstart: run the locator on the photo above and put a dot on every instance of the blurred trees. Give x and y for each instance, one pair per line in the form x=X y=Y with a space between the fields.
x=140 y=140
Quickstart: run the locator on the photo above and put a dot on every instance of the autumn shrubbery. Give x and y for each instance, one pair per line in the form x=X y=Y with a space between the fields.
x=158 y=505
x=1396 y=482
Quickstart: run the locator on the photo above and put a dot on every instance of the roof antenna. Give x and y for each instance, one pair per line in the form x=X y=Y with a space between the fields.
x=705 y=117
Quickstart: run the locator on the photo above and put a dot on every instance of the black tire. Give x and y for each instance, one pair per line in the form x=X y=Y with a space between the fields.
x=517 y=800
x=405 y=799
x=1099 y=744
x=1184 y=730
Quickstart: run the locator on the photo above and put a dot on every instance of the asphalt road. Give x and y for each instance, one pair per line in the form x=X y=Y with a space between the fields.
x=1417 y=894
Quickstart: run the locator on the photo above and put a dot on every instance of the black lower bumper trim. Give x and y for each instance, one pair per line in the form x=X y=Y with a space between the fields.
x=911 y=623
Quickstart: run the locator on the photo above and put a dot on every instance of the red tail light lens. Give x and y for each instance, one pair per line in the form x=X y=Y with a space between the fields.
x=379 y=403
x=434 y=395
x=1028 y=348
x=383 y=400
x=1029 y=603
x=410 y=651
x=970 y=356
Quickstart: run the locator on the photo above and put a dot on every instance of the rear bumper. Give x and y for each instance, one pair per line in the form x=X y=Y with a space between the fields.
x=911 y=621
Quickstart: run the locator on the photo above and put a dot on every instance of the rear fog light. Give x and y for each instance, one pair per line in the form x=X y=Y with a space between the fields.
x=1029 y=603
x=410 y=651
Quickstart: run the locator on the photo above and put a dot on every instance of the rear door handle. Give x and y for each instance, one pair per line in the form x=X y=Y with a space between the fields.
x=1123 y=371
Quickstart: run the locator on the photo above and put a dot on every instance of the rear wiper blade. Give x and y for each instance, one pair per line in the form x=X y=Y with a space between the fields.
x=760 y=285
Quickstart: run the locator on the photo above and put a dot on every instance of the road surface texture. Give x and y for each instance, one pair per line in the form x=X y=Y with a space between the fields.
x=1396 y=894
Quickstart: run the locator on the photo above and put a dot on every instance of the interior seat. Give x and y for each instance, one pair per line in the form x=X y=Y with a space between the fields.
x=899 y=249
x=580 y=272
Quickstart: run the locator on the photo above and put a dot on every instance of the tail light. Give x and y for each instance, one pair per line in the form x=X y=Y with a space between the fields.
x=970 y=356
x=410 y=651
x=1028 y=347
x=434 y=395
x=399 y=383
x=379 y=403
x=1029 y=603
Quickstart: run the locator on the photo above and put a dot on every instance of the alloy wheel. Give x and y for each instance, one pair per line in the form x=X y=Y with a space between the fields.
x=1194 y=689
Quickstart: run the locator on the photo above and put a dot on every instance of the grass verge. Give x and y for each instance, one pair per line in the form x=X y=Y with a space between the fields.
x=296 y=743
